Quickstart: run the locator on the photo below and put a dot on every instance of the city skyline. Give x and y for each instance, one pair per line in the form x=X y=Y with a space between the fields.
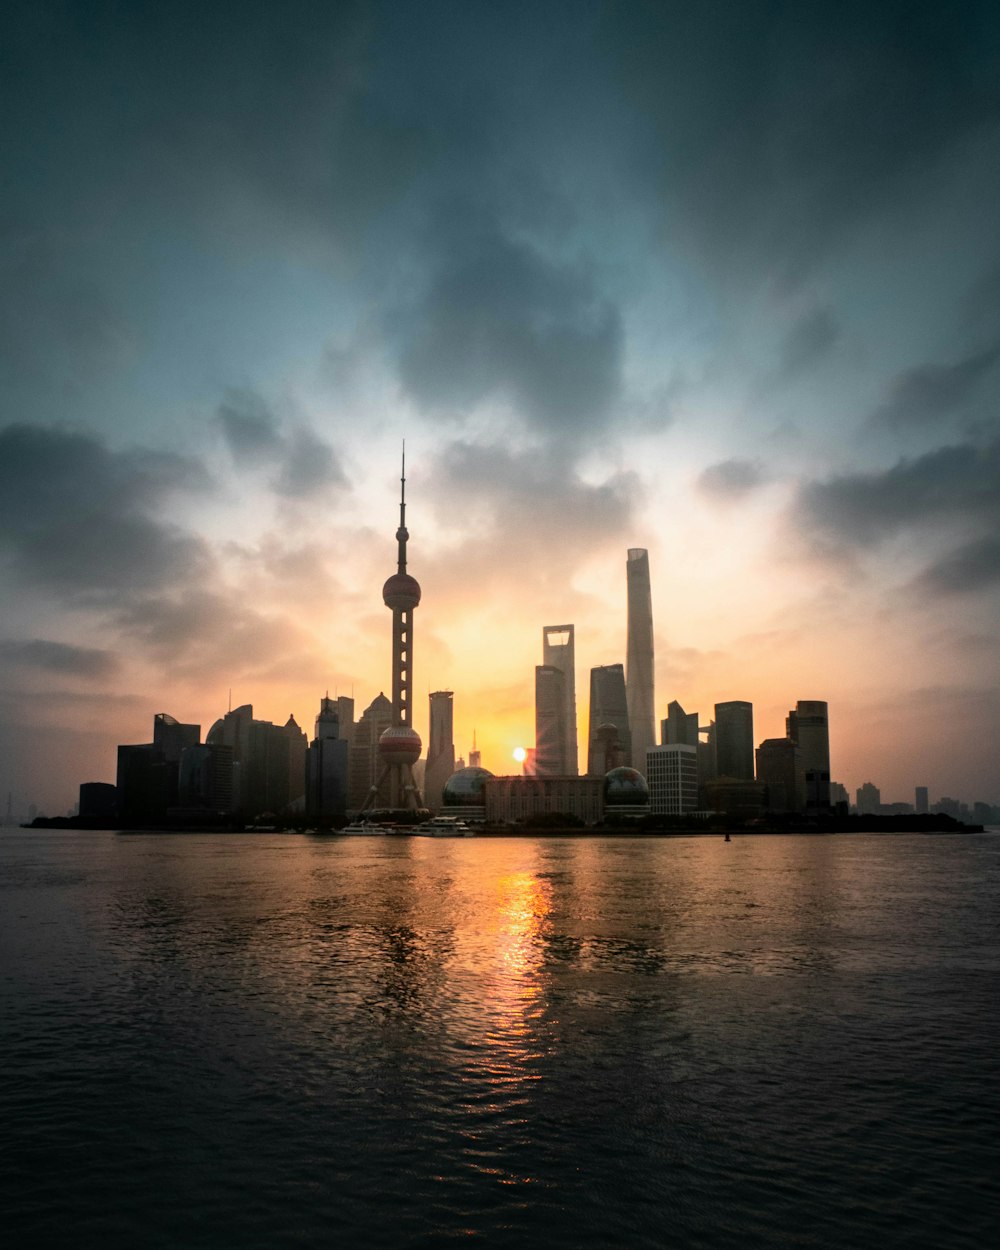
x=718 y=284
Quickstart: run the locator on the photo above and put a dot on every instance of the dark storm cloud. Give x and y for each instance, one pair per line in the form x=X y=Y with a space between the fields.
x=731 y=480
x=922 y=396
x=59 y=657
x=500 y=319
x=774 y=128
x=972 y=567
x=249 y=427
x=80 y=519
x=303 y=463
x=212 y=633
x=863 y=508
x=808 y=342
x=309 y=466
x=951 y=487
x=536 y=493
x=53 y=318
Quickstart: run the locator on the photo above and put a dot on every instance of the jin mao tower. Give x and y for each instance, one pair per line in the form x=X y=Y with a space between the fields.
x=399 y=746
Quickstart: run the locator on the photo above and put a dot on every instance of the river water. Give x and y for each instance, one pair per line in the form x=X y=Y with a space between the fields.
x=278 y=1041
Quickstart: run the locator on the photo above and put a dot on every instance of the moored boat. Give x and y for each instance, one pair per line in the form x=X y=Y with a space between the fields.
x=443 y=827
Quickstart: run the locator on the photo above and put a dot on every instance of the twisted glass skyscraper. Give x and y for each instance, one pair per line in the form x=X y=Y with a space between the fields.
x=639 y=657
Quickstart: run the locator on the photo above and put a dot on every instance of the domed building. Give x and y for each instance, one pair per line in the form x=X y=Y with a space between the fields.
x=465 y=793
x=626 y=795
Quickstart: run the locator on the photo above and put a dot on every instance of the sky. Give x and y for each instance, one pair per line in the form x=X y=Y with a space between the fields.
x=721 y=280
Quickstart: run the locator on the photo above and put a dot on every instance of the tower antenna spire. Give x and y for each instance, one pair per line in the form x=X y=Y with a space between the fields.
x=401 y=533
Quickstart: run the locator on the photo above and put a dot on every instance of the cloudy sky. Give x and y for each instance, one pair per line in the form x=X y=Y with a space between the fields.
x=717 y=279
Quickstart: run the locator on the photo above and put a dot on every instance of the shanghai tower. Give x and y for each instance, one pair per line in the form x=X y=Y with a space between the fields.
x=639 y=657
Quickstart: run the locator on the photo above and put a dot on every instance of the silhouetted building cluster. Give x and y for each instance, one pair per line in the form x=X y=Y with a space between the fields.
x=254 y=770
x=693 y=767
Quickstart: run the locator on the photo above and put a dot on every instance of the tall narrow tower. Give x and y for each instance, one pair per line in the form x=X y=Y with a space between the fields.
x=399 y=745
x=639 y=657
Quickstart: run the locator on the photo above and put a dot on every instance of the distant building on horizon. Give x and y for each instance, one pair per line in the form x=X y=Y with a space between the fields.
x=869 y=800
x=921 y=802
x=734 y=740
x=608 y=707
x=559 y=652
x=639 y=655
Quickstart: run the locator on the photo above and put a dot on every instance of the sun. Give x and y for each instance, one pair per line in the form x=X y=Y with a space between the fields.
x=520 y=754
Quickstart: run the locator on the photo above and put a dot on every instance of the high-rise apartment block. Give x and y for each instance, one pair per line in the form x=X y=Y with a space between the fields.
x=734 y=740
x=639 y=655
x=559 y=652
x=608 y=708
x=921 y=804
x=672 y=778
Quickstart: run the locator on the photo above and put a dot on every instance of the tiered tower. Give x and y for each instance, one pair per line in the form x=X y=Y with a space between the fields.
x=399 y=746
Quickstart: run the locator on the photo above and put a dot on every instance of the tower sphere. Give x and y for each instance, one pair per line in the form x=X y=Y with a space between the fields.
x=401 y=591
x=623 y=786
x=399 y=744
x=465 y=788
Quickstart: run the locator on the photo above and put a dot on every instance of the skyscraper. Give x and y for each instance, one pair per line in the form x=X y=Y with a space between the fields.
x=679 y=726
x=808 y=727
x=608 y=706
x=559 y=651
x=399 y=746
x=779 y=767
x=327 y=767
x=550 y=721
x=734 y=740
x=441 y=747
x=170 y=737
x=363 y=759
x=639 y=655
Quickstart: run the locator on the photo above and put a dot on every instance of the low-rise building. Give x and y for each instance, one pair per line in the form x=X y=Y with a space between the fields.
x=511 y=799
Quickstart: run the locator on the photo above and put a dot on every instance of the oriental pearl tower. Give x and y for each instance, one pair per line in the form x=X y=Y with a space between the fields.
x=399 y=746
